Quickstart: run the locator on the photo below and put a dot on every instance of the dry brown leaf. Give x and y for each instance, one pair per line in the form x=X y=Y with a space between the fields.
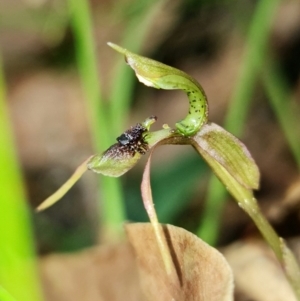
x=105 y=273
x=257 y=273
x=203 y=272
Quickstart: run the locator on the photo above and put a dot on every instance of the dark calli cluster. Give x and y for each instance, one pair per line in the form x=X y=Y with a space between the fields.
x=132 y=140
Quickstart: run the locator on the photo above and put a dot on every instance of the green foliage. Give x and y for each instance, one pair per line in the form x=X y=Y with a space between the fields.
x=5 y=296
x=18 y=272
x=112 y=213
x=227 y=157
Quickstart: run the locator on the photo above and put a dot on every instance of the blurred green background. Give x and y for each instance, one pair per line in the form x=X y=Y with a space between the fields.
x=65 y=95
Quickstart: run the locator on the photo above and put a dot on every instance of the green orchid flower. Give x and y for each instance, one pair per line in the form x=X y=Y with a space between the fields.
x=227 y=156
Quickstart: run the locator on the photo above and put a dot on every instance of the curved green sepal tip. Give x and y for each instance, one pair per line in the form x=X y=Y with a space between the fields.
x=160 y=76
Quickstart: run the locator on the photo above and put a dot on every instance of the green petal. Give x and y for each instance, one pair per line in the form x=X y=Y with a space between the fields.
x=114 y=162
x=230 y=152
x=117 y=160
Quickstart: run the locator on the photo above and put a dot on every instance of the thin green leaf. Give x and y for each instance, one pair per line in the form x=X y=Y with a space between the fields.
x=18 y=270
x=112 y=214
x=140 y=15
x=5 y=295
x=280 y=98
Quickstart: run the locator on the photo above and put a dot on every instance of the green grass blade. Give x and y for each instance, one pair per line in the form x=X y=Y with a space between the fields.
x=256 y=50
x=254 y=57
x=214 y=204
x=124 y=78
x=112 y=210
x=18 y=271
x=87 y=63
x=6 y=296
x=280 y=99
